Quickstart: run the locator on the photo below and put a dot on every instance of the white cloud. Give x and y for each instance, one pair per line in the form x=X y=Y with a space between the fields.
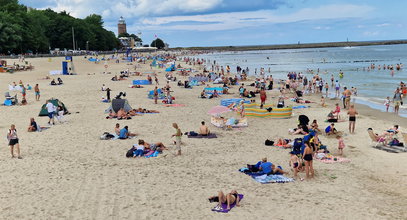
x=226 y=21
x=132 y=8
x=383 y=25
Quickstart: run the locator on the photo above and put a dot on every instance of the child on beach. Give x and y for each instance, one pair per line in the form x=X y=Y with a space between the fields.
x=295 y=163
x=341 y=145
x=323 y=101
x=387 y=103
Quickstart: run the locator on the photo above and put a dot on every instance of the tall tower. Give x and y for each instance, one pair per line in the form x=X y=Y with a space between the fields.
x=121 y=26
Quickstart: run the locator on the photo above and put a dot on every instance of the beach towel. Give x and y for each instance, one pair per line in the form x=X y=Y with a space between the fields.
x=273 y=179
x=174 y=105
x=210 y=136
x=300 y=107
x=263 y=178
x=224 y=209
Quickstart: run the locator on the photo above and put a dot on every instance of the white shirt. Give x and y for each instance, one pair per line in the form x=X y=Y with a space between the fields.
x=50 y=107
x=138 y=147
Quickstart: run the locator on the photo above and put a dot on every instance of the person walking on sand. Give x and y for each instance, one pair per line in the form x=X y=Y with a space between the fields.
x=263 y=97
x=352 y=118
x=387 y=103
x=13 y=141
x=341 y=145
x=37 y=92
x=397 y=99
x=177 y=136
x=155 y=94
x=346 y=94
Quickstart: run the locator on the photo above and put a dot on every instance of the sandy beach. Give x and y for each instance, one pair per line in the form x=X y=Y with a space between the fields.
x=67 y=172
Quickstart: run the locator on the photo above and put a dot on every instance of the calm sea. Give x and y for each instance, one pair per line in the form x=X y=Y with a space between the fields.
x=373 y=86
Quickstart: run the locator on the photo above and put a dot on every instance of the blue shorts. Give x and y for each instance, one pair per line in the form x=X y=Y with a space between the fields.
x=50 y=114
x=37 y=93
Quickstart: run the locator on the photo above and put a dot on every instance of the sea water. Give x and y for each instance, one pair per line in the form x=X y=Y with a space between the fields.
x=373 y=86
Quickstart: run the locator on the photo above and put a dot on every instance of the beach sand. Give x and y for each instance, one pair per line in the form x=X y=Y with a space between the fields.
x=68 y=173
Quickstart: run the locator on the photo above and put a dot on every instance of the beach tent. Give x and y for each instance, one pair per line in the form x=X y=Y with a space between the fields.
x=56 y=102
x=117 y=104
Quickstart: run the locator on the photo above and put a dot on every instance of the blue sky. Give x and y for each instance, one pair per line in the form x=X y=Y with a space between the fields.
x=246 y=22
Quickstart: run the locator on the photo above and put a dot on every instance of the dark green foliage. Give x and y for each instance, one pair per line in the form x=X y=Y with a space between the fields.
x=158 y=43
x=23 y=30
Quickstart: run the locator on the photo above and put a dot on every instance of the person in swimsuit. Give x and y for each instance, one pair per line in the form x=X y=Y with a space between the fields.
x=37 y=92
x=177 y=136
x=204 y=130
x=352 y=118
x=341 y=145
x=13 y=141
x=307 y=157
x=295 y=163
x=230 y=198
x=263 y=97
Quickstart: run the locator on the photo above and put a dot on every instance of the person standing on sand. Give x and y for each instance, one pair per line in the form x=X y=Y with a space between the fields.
x=397 y=99
x=347 y=94
x=177 y=136
x=51 y=111
x=155 y=94
x=263 y=97
x=13 y=141
x=387 y=103
x=352 y=118
x=108 y=94
x=37 y=92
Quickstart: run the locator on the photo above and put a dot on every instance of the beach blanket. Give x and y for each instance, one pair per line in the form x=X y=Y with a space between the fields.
x=210 y=136
x=174 y=105
x=273 y=179
x=300 y=107
x=263 y=178
x=334 y=160
x=224 y=206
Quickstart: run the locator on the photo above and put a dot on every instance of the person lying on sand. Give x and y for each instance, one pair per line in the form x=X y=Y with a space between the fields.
x=299 y=130
x=286 y=143
x=269 y=168
x=111 y=115
x=229 y=199
x=143 y=110
x=121 y=114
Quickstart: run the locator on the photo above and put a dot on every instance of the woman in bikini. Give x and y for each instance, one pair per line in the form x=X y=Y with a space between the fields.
x=230 y=198
x=307 y=157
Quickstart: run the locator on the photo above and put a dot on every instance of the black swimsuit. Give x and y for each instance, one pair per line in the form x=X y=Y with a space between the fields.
x=308 y=157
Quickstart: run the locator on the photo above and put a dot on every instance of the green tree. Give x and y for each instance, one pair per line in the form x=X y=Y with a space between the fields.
x=158 y=43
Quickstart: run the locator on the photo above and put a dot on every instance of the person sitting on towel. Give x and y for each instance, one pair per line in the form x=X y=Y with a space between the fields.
x=269 y=168
x=204 y=130
x=60 y=82
x=53 y=82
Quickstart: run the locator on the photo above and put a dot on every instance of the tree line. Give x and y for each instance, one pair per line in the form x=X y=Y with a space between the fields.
x=26 y=30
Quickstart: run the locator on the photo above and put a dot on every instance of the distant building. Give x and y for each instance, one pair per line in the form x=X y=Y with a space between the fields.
x=121 y=26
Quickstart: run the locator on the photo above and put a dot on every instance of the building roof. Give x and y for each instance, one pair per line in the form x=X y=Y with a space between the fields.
x=121 y=20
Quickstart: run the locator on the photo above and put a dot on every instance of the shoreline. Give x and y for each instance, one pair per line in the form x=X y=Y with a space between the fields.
x=293 y=46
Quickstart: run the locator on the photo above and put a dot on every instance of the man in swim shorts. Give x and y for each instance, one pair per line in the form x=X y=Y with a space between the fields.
x=352 y=118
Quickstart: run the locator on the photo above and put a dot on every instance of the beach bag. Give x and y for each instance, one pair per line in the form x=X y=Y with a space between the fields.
x=269 y=143
x=297 y=144
x=394 y=142
x=130 y=152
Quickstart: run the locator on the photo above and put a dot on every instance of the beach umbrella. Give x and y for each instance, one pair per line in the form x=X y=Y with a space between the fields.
x=218 y=110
